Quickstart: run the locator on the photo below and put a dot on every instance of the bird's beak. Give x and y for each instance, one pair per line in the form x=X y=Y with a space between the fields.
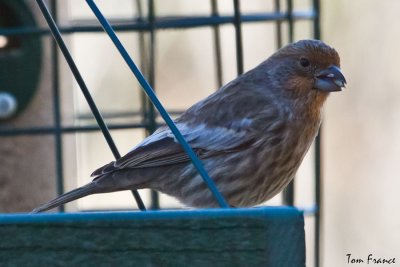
x=330 y=79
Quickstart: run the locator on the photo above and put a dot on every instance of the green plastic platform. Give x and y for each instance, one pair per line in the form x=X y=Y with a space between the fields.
x=268 y=236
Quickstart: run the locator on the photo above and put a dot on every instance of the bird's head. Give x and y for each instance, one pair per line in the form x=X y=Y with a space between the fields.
x=311 y=66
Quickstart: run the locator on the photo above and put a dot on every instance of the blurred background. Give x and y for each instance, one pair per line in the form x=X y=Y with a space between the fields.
x=49 y=141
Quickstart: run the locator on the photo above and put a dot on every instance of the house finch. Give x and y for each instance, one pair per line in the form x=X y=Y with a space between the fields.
x=251 y=135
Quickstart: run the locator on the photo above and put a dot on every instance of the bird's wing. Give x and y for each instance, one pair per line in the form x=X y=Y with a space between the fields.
x=224 y=122
x=161 y=148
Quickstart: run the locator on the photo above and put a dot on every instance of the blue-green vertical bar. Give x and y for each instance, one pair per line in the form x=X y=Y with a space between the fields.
x=151 y=114
x=318 y=157
x=238 y=36
x=217 y=44
x=145 y=66
x=278 y=24
x=57 y=113
x=288 y=193
x=290 y=19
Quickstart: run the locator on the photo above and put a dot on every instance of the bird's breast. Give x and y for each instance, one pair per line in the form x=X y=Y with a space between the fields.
x=280 y=157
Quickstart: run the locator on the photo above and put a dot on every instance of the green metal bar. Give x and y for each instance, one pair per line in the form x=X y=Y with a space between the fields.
x=147 y=60
x=318 y=159
x=278 y=25
x=57 y=114
x=290 y=19
x=289 y=192
x=217 y=44
x=166 y=22
x=124 y=114
x=151 y=113
x=238 y=36
x=144 y=62
x=67 y=129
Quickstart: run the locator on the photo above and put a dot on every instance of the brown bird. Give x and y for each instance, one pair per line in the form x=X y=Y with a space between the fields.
x=251 y=135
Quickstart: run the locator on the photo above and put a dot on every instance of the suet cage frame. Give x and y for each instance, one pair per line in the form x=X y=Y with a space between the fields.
x=149 y=24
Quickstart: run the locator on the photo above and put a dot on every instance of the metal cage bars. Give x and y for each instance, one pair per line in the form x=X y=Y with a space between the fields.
x=145 y=85
x=57 y=115
x=150 y=93
x=149 y=114
x=288 y=192
x=318 y=156
x=151 y=24
x=60 y=42
x=167 y=22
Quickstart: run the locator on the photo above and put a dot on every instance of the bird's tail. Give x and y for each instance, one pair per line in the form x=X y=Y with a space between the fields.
x=90 y=188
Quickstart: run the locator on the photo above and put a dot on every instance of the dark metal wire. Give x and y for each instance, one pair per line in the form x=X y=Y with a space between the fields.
x=166 y=22
x=147 y=63
x=68 y=129
x=278 y=25
x=217 y=44
x=238 y=36
x=318 y=199
x=58 y=146
x=151 y=114
x=289 y=192
x=124 y=114
x=149 y=91
x=318 y=158
x=144 y=62
x=57 y=36
x=290 y=20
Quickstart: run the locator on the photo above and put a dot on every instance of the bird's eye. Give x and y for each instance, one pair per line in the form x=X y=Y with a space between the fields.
x=304 y=62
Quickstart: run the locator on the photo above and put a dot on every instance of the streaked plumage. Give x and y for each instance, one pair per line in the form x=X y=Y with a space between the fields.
x=251 y=135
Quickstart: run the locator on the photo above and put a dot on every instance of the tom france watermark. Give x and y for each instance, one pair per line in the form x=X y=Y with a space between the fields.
x=370 y=259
